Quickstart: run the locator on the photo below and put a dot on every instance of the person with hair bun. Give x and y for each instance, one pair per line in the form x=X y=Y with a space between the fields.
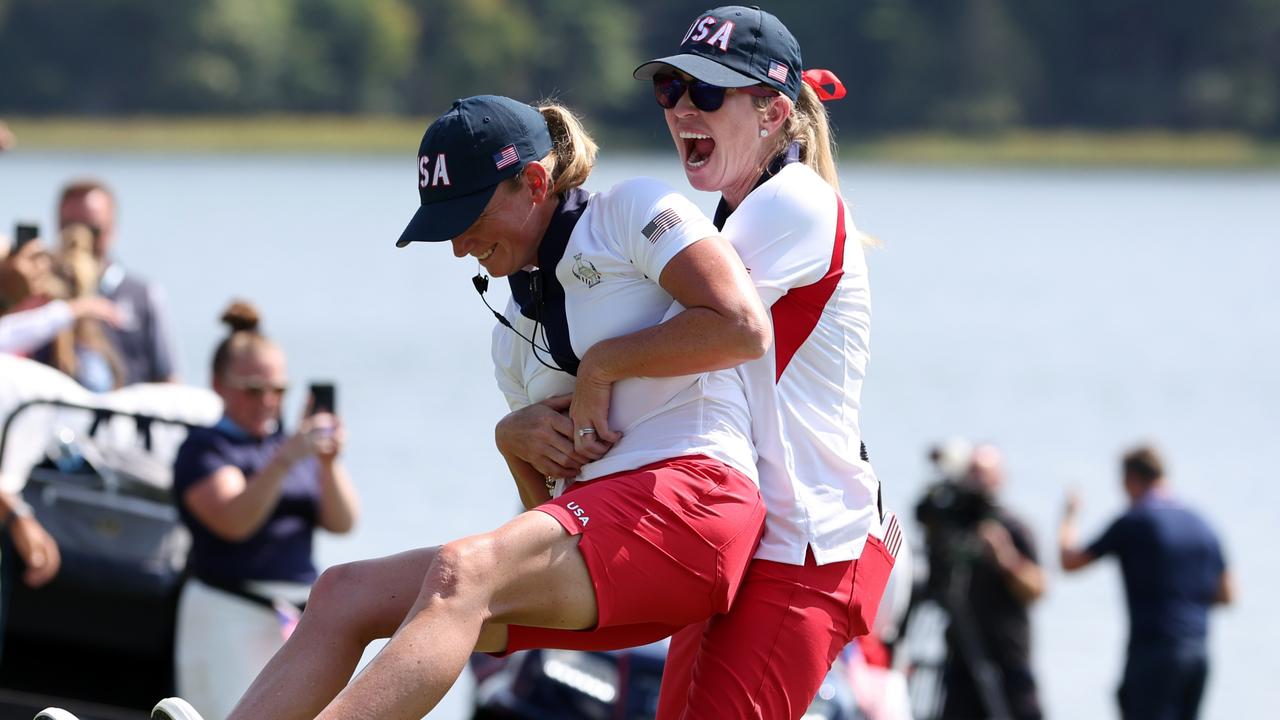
x=748 y=122
x=252 y=495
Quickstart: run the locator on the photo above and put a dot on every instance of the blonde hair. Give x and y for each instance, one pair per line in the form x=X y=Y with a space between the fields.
x=573 y=152
x=76 y=276
x=809 y=127
x=242 y=320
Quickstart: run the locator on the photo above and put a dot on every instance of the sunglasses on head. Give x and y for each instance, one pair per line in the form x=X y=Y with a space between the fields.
x=668 y=88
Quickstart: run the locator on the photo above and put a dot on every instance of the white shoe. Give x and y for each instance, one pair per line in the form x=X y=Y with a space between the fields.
x=171 y=709
x=55 y=714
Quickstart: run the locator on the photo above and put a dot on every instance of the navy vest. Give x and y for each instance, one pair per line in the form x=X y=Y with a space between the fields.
x=539 y=294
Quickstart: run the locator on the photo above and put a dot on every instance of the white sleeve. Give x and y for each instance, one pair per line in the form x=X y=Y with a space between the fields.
x=509 y=360
x=650 y=223
x=785 y=234
x=25 y=331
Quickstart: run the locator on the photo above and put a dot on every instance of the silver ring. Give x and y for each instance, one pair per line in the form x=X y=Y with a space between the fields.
x=586 y=431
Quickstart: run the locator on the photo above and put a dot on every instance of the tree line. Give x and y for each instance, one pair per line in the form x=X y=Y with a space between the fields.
x=970 y=66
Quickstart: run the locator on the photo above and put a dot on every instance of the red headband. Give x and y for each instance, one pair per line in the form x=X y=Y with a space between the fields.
x=817 y=78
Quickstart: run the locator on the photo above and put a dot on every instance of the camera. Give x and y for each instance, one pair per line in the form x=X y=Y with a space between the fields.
x=950 y=505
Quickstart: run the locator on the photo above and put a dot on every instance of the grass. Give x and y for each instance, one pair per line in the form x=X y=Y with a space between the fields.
x=305 y=134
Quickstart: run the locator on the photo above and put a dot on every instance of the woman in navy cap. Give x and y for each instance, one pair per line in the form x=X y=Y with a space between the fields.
x=748 y=122
x=655 y=530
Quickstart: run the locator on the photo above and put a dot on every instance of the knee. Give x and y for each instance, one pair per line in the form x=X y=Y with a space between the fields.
x=461 y=570
x=334 y=602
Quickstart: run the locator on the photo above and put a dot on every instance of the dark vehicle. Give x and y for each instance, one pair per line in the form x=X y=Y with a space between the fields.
x=97 y=639
x=618 y=685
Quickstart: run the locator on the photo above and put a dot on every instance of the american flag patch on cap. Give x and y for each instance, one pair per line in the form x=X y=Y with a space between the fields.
x=777 y=71
x=661 y=223
x=506 y=157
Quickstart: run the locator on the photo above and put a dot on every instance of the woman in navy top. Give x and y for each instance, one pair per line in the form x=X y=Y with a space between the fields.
x=252 y=497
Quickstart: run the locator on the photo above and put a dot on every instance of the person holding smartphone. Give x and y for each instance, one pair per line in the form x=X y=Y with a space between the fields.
x=28 y=317
x=253 y=496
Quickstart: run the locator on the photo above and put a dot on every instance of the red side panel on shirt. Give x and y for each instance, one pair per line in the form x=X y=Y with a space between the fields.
x=796 y=314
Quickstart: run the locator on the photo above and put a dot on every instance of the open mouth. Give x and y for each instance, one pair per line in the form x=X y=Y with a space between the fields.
x=697 y=148
x=485 y=255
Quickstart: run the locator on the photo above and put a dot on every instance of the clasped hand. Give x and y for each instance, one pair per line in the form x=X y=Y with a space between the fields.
x=542 y=435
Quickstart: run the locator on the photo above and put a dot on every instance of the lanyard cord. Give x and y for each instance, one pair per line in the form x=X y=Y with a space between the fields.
x=481 y=283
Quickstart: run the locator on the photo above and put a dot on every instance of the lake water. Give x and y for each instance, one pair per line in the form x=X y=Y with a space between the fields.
x=1061 y=314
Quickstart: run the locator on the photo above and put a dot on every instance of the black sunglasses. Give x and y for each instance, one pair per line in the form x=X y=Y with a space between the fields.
x=668 y=89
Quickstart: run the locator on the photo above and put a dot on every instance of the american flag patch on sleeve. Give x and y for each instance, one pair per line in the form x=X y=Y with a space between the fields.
x=506 y=157
x=661 y=223
x=777 y=71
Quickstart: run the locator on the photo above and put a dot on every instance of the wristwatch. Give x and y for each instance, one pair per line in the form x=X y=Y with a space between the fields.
x=18 y=509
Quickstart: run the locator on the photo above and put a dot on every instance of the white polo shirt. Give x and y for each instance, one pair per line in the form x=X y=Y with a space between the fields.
x=799 y=244
x=609 y=271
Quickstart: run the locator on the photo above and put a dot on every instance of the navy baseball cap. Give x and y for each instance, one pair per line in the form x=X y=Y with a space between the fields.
x=736 y=46
x=464 y=154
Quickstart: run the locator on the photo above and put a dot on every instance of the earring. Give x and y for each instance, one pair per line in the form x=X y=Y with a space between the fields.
x=764 y=132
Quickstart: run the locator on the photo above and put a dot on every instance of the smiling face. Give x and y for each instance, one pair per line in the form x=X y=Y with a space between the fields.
x=505 y=238
x=722 y=151
x=252 y=388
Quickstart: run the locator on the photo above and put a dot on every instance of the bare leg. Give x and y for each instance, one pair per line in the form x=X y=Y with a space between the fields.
x=351 y=606
x=529 y=571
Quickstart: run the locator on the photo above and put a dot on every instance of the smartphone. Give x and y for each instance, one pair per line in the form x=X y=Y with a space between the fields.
x=323 y=397
x=24 y=233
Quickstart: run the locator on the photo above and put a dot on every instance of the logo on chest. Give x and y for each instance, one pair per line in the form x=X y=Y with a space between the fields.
x=586 y=272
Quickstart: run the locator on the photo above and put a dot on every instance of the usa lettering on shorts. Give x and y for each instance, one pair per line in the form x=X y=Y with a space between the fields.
x=661 y=223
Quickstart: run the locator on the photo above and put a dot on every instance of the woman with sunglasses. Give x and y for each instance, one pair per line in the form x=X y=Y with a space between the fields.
x=748 y=122
x=252 y=496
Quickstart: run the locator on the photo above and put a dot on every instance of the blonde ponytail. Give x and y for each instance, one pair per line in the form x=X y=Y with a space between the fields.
x=573 y=153
x=809 y=126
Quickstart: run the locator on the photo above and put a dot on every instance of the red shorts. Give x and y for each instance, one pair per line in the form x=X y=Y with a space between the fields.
x=666 y=545
x=767 y=658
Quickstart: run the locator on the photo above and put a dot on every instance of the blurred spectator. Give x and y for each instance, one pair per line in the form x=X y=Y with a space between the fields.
x=142 y=342
x=31 y=289
x=81 y=350
x=22 y=274
x=984 y=572
x=252 y=496
x=1173 y=570
x=8 y=140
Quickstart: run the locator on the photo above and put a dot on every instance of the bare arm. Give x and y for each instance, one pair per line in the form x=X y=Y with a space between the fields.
x=1070 y=554
x=1023 y=575
x=339 y=505
x=38 y=550
x=233 y=507
x=1226 y=590
x=723 y=325
x=530 y=483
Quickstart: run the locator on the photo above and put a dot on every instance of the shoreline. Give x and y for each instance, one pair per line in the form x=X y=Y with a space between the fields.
x=292 y=134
